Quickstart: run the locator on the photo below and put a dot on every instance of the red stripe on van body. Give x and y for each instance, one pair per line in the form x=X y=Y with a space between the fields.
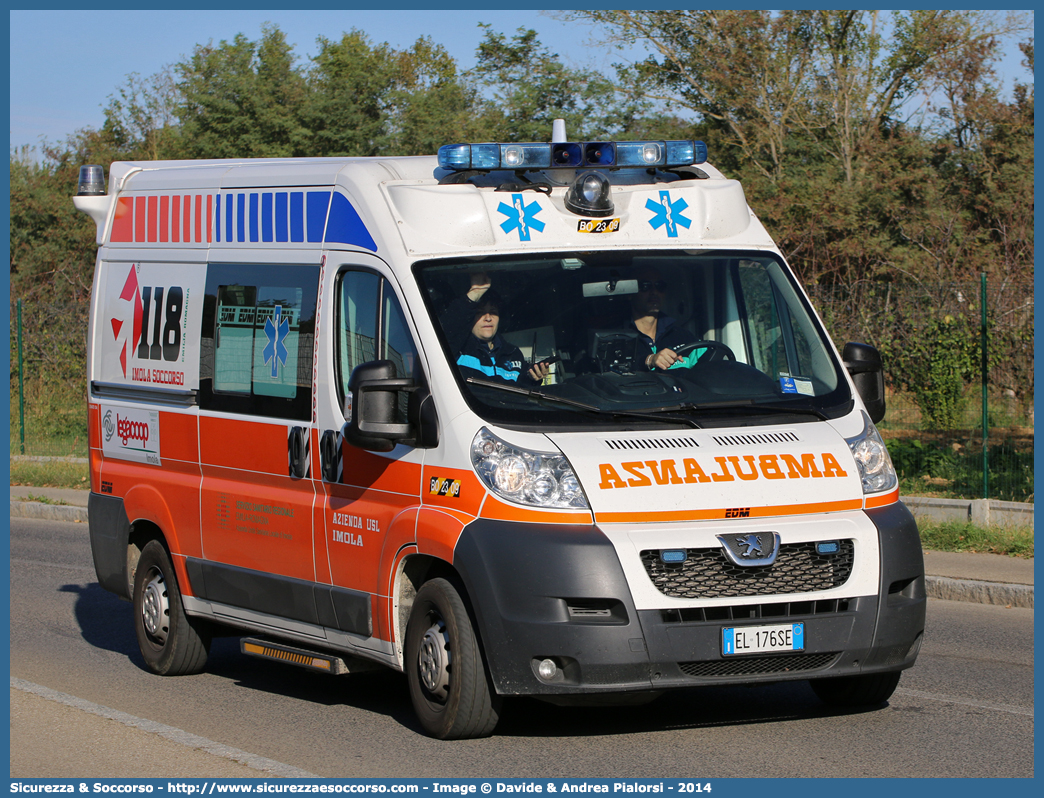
x=153 y=218
x=139 y=218
x=175 y=219
x=164 y=218
x=123 y=221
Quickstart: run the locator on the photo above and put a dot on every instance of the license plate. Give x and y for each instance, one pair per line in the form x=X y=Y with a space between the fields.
x=759 y=639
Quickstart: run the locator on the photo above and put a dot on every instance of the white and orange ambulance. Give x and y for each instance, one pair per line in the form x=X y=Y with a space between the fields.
x=544 y=419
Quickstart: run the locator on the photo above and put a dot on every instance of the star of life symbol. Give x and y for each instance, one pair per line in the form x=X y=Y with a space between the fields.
x=521 y=217
x=276 y=330
x=668 y=213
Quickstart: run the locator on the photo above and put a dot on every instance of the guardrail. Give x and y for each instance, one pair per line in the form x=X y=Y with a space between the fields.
x=981 y=512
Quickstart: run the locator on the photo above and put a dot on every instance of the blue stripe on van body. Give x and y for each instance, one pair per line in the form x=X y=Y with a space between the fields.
x=318 y=206
x=281 y=218
x=290 y=217
x=241 y=217
x=266 y=217
x=346 y=227
x=254 y=235
x=297 y=216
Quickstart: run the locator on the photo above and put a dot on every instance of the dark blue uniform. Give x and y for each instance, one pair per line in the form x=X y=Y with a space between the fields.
x=501 y=363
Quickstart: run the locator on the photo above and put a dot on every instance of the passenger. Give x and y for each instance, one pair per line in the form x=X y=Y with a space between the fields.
x=484 y=353
x=658 y=334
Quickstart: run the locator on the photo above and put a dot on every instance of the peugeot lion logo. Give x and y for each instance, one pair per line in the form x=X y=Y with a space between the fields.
x=757 y=549
x=753 y=546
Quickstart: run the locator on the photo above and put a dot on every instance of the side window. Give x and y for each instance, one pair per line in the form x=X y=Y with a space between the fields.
x=258 y=335
x=371 y=325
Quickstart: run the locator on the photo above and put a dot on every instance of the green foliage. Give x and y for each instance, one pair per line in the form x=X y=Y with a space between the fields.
x=952 y=468
x=1014 y=541
x=936 y=361
x=242 y=99
x=531 y=87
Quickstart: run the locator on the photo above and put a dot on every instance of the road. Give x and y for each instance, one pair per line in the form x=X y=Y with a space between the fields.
x=965 y=710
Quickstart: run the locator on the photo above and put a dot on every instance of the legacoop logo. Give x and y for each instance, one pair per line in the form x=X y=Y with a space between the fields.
x=127 y=430
x=108 y=426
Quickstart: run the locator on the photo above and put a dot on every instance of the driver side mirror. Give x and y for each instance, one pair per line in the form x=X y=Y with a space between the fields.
x=863 y=363
x=374 y=420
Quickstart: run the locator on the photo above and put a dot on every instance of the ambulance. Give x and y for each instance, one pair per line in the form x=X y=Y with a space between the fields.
x=292 y=443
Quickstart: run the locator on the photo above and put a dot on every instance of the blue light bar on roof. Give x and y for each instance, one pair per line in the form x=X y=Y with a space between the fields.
x=571 y=155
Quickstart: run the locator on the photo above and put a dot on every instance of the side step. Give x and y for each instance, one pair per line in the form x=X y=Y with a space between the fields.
x=313 y=660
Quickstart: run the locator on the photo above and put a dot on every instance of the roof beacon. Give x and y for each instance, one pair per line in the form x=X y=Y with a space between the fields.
x=534 y=156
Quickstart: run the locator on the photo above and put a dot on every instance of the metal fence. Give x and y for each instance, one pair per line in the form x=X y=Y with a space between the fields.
x=958 y=361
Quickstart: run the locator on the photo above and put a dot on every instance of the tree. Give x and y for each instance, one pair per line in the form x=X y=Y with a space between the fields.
x=242 y=99
x=348 y=86
x=531 y=87
x=141 y=118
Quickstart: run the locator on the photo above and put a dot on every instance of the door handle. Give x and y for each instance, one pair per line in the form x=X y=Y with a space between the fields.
x=297 y=449
x=330 y=455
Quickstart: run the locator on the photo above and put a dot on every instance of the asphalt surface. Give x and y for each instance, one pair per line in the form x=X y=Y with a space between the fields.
x=53 y=734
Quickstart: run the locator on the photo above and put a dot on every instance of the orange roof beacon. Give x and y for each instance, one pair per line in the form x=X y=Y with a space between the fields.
x=545 y=419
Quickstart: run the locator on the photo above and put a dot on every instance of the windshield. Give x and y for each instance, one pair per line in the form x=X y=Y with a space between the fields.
x=617 y=337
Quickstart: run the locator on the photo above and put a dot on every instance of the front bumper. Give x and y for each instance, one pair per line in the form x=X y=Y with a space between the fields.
x=560 y=593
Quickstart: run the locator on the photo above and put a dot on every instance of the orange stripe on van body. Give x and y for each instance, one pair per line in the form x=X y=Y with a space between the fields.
x=883 y=500
x=438 y=532
x=233 y=443
x=498 y=510
x=363 y=526
x=185 y=585
x=258 y=521
x=717 y=514
x=159 y=500
x=179 y=439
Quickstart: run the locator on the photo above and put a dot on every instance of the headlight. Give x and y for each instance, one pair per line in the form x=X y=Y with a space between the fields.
x=538 y=479
x=871 y=455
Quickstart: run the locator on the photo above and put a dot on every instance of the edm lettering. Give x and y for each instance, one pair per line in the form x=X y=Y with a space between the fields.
x=730 y=468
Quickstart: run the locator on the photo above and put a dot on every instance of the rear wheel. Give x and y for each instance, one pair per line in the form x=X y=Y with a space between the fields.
x=857 y=691
x=171 y=643
x=447 y=676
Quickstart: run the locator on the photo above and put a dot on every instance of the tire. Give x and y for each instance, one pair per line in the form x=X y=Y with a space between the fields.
x=449 y=686
x=857 y=691
x=171 y=643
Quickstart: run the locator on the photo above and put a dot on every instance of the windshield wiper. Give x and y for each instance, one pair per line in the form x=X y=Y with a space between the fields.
x=749 y=406
x=652 y=415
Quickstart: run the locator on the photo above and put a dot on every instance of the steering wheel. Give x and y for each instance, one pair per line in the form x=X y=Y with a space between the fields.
x=716 y=350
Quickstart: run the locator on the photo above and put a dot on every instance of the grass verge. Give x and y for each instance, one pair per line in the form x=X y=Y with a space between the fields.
x=49 y=474
x=1013 y=541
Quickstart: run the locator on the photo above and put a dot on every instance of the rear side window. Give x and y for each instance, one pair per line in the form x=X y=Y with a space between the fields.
x=257 y=340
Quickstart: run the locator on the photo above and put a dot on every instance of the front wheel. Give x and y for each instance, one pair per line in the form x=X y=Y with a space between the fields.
x=444 y=666
x=171 y=643
x=857 y=691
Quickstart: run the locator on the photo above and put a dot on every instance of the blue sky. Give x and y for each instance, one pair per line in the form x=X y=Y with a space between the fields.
x=65 y=64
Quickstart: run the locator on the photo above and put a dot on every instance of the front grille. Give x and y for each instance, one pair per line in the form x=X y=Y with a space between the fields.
x=743 y=612
x=751 y=666
x=707 y=573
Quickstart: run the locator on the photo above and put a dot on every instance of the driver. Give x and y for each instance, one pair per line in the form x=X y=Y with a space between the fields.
x=657 y=332
x=484 y=352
